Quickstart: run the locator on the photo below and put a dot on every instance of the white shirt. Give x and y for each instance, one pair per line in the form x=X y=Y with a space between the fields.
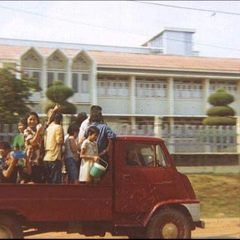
x=83 y=128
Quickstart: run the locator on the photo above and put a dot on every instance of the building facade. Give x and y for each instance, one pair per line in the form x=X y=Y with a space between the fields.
x=133 y=85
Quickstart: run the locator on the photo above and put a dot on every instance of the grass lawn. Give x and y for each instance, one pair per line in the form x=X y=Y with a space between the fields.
x=219 y=194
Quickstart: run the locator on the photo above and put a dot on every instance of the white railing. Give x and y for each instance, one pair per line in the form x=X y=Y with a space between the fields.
x=179 y=138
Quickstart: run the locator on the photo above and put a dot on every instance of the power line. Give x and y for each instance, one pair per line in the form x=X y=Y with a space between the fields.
x=189 y=8
x=69 y=20
x=129 y=32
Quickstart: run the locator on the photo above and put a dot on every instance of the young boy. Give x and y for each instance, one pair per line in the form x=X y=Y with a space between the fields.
x=88 y=154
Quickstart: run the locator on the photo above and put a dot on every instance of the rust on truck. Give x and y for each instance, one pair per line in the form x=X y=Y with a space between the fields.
x=153 y=200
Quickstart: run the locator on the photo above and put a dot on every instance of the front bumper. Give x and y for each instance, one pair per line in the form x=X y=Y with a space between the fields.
x=199 y=224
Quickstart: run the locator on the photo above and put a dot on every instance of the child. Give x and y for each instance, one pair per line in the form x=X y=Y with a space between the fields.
x=23 y=166
x=18 y=142
x=88 y=154
x=71 y=153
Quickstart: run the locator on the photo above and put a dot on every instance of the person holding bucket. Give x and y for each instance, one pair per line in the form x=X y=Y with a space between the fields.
x=89 y=155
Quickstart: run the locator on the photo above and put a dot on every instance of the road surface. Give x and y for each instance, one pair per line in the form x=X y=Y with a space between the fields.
x=216 y=228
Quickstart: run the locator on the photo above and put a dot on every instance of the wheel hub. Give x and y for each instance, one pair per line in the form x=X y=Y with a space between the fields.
x=170 y=231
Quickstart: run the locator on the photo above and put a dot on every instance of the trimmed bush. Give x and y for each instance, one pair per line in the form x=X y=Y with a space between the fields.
x=220 y=114
x=220 y=98
x=220 y=111
x=220 y=121
x=58 y=94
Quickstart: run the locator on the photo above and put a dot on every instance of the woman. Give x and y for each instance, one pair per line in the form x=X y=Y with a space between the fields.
x=33 y=136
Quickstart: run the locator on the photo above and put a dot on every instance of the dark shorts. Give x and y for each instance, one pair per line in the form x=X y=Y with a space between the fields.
x=53 y=171
x=71 y=168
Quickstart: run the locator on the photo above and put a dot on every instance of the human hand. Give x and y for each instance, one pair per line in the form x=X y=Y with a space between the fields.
x=56 y=108
x=40 y=128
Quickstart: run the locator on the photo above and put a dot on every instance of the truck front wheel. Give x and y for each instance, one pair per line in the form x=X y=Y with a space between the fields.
x=10 y=228
x=169 y=223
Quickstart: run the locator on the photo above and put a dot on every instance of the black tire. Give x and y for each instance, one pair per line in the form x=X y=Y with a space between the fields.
x=169 y=223
x=10 y=227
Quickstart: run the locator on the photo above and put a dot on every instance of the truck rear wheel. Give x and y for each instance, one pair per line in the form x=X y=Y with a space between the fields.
x=10 y=228
x=169 y=223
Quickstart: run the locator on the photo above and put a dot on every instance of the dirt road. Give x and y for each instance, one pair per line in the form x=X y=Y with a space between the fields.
x=216 y=228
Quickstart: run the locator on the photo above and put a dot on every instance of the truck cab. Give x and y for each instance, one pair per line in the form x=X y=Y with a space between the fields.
x=150 y=199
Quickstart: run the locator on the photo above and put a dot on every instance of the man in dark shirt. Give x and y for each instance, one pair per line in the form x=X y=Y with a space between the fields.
x=8 y=171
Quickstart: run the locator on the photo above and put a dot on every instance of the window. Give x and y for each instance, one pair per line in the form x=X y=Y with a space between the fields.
x=160 y=157
x=55 y=76
x=145 y=155
x=229 y=86
x=80 y=82
x=151 y=88
x=50 y=77
x=85 y=83
x=75 y=82
x=113 y=86
x=187 y=89
x=36 y=75
x=61 y=77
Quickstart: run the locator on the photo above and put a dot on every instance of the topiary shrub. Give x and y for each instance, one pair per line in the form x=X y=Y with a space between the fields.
x=58 y=94
x=220 y=98
x=220 y=114
x=220 y=111
x=219 y=121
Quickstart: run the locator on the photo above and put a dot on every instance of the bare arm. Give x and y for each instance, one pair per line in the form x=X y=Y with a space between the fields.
x=87 y=157
x=36 y=139
x=74 y=146
x=11 y=164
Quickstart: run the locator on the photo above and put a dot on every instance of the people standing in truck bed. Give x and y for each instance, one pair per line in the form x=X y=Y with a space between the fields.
x=105 y=132
x=23 y=166
x=71 y=157
x=53 y=141
x=33 y=135
x=88 y=154
x=18 y=141
x=85 y=124
x=8 y=170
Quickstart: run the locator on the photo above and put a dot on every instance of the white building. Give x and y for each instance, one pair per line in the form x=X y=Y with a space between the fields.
x=163 y=78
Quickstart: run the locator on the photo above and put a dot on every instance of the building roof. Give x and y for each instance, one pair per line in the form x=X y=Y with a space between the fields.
x=134 y=60
x=165 y=61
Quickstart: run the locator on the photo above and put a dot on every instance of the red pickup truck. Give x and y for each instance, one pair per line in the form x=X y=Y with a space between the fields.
x=150 y=200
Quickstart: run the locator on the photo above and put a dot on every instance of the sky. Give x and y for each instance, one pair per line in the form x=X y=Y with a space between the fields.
x=125 y=23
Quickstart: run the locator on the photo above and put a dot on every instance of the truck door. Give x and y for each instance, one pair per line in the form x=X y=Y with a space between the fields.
x=143 y=177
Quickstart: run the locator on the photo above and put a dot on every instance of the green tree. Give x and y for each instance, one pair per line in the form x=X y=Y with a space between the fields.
x=14 y=94
x=220 y=114
x=58 y=94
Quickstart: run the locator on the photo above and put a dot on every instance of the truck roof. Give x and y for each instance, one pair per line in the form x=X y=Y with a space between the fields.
x=139 y=138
